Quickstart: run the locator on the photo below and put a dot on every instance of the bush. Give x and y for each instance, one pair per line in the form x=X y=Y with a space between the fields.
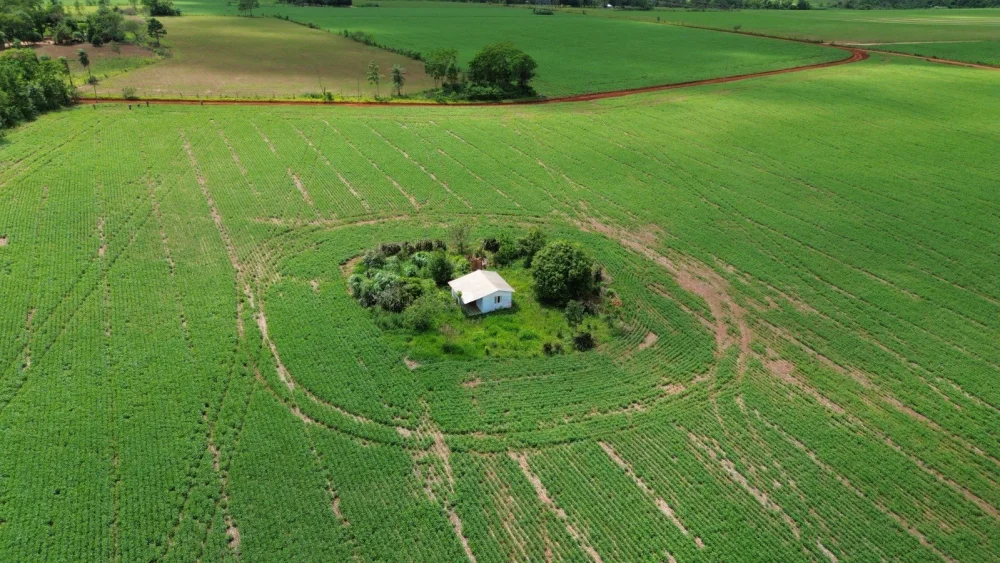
x=440 y=268
x=373 y=259
x=419 y=316
x=507 y=252
x=562 y=271
x=530 y=244
x=393 y=298
x=583 y=341
x=129 y=93
x=574 y=313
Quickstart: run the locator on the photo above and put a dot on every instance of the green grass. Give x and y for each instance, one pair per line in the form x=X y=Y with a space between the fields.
x=815 y=253
x=518 y=332
x=843 y=26
x=970 y=35
x=575 y=54
x=261 y=58
x=104 y=62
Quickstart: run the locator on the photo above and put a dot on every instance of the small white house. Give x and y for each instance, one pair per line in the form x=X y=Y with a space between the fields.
x=483 y=290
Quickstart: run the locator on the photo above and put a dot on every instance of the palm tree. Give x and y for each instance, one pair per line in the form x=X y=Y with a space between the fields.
x=397 y=78
x=84 y=59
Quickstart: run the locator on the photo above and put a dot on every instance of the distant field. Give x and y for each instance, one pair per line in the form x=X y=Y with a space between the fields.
x=184 y=376
x=860 y=26
x=260 y=57
x=981 y=52
x=575 y=53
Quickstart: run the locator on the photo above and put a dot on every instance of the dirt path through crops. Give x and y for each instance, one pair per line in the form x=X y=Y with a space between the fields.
x=857 y=55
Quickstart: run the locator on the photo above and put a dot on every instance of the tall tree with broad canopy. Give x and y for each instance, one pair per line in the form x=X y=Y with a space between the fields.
x=503 y=66
x=562 y=271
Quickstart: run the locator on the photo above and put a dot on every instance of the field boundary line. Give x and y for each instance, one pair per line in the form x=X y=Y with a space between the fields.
x=857 y=55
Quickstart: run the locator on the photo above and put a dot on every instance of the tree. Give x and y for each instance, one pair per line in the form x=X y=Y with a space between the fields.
x=507 y=250
x=84 y=59
x=530 y=244
x=459 y=234
x=373 y=76
x=69 y=74
x=248 y=6
x=397 y=78
x=502 y=66
x=438 y=64
x=574 y=313
x=155 y=30
x=440 y=268
x=562 y=271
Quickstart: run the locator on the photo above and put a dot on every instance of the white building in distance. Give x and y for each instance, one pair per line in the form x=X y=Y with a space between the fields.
x=483 y=290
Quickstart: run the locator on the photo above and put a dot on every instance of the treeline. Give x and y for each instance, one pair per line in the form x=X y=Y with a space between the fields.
x=31 y=21
x=30 y=85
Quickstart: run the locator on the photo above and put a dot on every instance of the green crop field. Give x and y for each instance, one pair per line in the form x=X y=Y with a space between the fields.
x=962 y=35
x=575 y=54
x=978 y=52
x=808 y=266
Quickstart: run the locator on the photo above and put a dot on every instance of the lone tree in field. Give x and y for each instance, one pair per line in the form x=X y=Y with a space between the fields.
x=155 y=30
x=373 y=76
x=248 y=6
x=84 y=59
x=562 y=271
x=503 y=66
x=397 y=78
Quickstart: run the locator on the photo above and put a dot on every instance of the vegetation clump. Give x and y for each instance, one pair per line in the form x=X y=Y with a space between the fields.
x=405 y=285
x=29 y=86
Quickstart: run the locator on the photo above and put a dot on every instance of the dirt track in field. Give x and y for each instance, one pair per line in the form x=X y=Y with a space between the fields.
x=856 y=56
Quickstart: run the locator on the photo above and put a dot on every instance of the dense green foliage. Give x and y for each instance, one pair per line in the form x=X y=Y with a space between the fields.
x=30 y=86
x=805 y=366
x=562 y=272
x=502 y=70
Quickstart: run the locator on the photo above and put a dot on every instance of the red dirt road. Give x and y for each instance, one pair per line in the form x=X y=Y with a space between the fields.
x=856 y=55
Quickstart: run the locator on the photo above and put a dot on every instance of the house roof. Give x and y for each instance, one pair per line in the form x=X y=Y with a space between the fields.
x=479 y=284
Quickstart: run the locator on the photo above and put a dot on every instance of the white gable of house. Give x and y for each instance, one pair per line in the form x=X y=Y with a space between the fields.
x=479 y=284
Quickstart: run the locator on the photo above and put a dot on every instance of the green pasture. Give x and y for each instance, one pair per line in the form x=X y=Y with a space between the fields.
x=575 y=54
x=261 y=58
x=842 y=26
x=184 y=376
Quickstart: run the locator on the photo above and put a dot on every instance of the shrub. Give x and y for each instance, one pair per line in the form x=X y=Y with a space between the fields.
x=393 y=298
x=574 y=313
x=373 y=259
x=583 y=341
x=419 y=316
x=440 y=268
x=129 y=93
x=562 y=271
x=530 y=244
x=491 y=244
x=508 y=251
